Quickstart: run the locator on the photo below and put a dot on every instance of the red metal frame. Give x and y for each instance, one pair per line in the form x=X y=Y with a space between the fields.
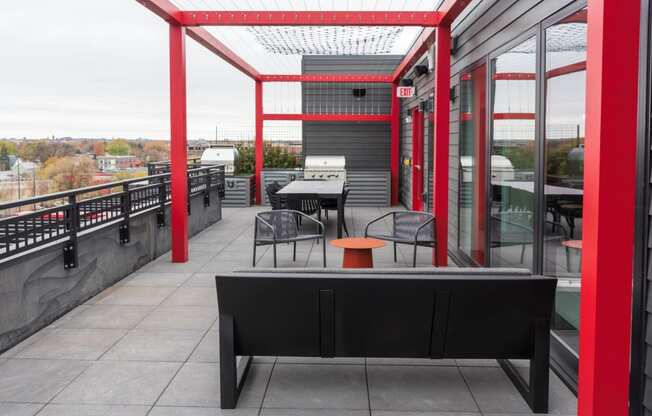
x=308 y=18
x=178 y=144
x=478 y=247
x=609 y=192
x=441 y=141
x=258 y=146
x=417 y=159
x=394 y=143
x=165 y=9
x=329 y=117
x=342 y=78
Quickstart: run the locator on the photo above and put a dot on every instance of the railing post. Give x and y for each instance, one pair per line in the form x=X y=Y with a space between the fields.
x=70 y=256
x=162 y=196
x=126 y=211
x=189 y=193
x=207 y=192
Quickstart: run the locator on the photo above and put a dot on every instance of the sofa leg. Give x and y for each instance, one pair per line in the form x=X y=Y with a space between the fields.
x=232 y=376
x=540 y=368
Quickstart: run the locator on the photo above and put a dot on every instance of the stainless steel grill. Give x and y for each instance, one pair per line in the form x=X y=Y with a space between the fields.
x=329 y=168
x=227 y=156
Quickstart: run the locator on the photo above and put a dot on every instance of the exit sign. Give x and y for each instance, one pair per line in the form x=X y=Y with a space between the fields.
x=405 y=92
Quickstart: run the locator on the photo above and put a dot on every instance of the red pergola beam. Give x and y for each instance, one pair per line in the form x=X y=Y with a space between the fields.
x=308 y=18
x=612 y=73
x=328 y=117
x=369 y=78
x=165 y=9
x=204 y=38
x=450 y=9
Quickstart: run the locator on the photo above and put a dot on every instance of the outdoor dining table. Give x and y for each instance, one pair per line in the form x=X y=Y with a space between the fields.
x=323 y=189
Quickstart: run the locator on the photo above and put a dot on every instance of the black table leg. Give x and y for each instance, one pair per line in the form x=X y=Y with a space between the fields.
x=340 y=215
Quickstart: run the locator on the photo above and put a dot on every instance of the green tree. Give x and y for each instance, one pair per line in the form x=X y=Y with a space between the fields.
x=118 y=147
x=5 y=163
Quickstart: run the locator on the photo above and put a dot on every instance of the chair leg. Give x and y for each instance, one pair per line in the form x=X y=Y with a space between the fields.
x=395 y=253
x=294 y=252
x=346 y=230
x=324 y=249
x=254 y=259
x=274 y=255
x=326 y=213
x=522 y=253
x=414 y=256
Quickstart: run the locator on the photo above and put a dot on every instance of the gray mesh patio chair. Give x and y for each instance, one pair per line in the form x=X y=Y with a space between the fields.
x=282 y=226
x=407 y=227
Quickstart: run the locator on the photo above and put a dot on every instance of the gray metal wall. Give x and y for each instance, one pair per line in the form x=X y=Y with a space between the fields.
x=364 y=144
x=239 y=191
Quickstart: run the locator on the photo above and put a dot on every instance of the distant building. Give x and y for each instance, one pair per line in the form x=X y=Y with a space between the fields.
x=110 y=163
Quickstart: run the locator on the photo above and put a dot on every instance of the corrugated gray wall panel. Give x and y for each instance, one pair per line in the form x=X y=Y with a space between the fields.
x=365 y=145
x=239 y=191
x=283 y=177
x=369 y=188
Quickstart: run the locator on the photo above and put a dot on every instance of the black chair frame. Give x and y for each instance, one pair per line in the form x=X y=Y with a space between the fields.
x=415 y=243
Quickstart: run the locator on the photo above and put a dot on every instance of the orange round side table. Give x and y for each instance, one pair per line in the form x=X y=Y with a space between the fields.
x=357 y=251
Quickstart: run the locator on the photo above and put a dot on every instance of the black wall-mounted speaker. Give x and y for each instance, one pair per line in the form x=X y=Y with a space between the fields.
x=359 y=92
x=406 y=82
x=421 y=70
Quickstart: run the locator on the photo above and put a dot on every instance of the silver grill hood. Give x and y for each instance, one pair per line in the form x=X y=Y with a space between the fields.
x=325 y=162
x=325 y=168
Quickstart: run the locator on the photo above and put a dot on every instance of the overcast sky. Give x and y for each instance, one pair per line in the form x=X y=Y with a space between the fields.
x=99 y=68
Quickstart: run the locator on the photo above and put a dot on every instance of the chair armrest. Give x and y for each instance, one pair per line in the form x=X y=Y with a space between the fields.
x=308 y=217
x=422 y=226
x=366 y=229
x=262 y=221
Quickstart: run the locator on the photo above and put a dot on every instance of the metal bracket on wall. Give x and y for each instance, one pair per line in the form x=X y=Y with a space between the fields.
x=124 y=232
x=207 y=198
x=70 y=254
x=160 y=217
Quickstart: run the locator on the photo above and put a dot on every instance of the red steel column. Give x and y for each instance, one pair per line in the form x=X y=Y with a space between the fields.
x=609 y=191
x=178 y=144
x=442 y=131
x=259 y=141
x=394 y=143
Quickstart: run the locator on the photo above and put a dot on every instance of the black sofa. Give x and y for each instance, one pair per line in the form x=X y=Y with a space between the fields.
x=400 y=313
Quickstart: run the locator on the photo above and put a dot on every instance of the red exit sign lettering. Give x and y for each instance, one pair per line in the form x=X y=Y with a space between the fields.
x=405 y=92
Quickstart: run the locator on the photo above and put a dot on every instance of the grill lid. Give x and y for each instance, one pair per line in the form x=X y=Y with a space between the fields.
x=325 y=162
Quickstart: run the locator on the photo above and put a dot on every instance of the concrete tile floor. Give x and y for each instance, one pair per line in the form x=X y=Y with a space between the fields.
x=149 y=346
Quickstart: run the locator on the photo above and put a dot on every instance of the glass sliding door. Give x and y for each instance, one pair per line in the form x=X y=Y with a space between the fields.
x=565 y=79
x=512 y=172
x=472 y=164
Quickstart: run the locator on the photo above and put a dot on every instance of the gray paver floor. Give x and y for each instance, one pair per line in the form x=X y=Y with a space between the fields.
x=149 y=346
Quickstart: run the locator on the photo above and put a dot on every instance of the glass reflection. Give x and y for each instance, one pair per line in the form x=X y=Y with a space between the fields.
x=564 y=166
x=513 y=156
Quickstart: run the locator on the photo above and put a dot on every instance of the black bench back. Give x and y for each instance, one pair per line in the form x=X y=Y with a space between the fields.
x=367 y=315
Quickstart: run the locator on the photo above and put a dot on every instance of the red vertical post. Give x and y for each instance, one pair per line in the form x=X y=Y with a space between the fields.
x=417 y=159
x=479 y=80
x=178 y=144
x=442 y=131
x=609 y=192
x=259 y=141
x=394 y=143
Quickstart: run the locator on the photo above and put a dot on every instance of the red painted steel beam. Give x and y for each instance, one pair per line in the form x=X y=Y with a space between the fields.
x=417 y=159
x=259 y=144
x=178 y=145
x=608 y=219
x=329 y=117
x=207 y=40
x=514 y=76
x=502 y=116
x=529 y=76
x=395 y=141
x=369 y=78
x=450 y=9
x=308 y=18
x=566 y=69
x=441 y=141
x=165 y=9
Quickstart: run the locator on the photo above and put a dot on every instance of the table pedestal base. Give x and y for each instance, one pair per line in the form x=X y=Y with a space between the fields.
x=357 y=258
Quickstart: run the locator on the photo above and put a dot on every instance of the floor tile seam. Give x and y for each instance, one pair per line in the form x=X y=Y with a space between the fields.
x=164 y=389
x=70 y=383
x=186 y=361
x=366 y=380
x=468 y=387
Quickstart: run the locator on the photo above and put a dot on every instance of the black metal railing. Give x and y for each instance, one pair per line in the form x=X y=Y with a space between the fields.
x=157 y=168
x=34 y=222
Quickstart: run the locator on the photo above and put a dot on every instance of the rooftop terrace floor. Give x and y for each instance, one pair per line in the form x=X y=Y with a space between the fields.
x=149 y=346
